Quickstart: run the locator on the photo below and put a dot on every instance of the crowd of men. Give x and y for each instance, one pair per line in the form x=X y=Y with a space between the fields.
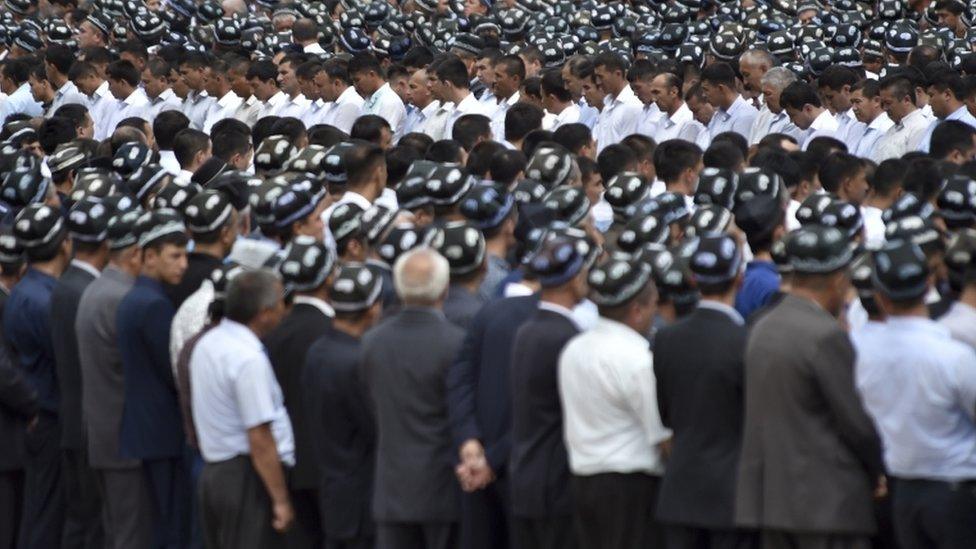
x=539 y=274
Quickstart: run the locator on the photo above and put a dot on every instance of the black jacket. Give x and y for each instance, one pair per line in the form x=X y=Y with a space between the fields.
x=18 y=403
x=64 y=313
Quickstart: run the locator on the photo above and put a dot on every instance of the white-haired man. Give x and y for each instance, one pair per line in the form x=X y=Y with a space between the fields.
x=772 y=117
x=405 y=361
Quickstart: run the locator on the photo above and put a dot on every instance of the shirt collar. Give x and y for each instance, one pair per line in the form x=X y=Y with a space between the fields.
x=880 y=122
x=958 y=114
x=625 y=94
x=824 y=121
x=355 y=198
x=229 y=98
x=66 y=88
x=559 y=310
x=737 y=104
x=680 y=116
x=347 y=95
x=136 y=98
x=86 y=266
x=278 y=98
x=610 y=325
x=917 y=113
x=572 y=109
x=467 y=103
x=102 y=90
x=319 y=304
x=706 y=303
x=241 y=334
x=379 y=93
x=512 y=99
x=431 y=108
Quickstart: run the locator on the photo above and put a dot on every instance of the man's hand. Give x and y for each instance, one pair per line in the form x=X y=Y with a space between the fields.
x=283 y=517
x=473 y=473
x=471 y=450
x=881 y=490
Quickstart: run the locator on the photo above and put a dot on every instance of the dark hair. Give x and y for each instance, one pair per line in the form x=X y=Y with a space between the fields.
x=642 y=69
x=735 y=139
x=923 y=178
x=521 y=119
x=798 y=94
x=230 y=124
x=364 y=62
x=453 y=71
x=17 y=70
x=612 y=61
x=762 y=238
x=37 y=72
x=836 y=168
x=952 y=6
x=869 y=88
x=60 y=56
x=479 y=157
x=674 y=157
x=98 y=55
x=135 y=47
x=229 y=142
x=165 y=127
x=46 y=252
x=951 y=135
x=823 y=146
x=262 y=129
x=948 y=80
x=158 y=67
x=888 y=177
x=616 y=158
x=395 y=71
x=835 y=77
x=290 y=127
x=533 y=53
x=124 y=135
x=398 y=161
x=721 y=74
x=337 y=68
x=369 y=127
x=136 y=122
x=469 y=128
x=573 y=136
x=420 y=142
x=80 y=69
x=553 y=84
x=326 y=135
x=533 y=139
x=180 y=240
x=775 y=140
x=125 y=71
x=304 y=30
x=194 y=60
x=642 y=145
x=922 y=55
x=361 y=160
x=417 y=57
x=532 y=87
x=900 y=86
x=512 y=64
x=587 y=167
x=263 y=70
x=506 y=164
x=187 y=144
x=55 y=131
x=777 y=161
x=723 y=155
x=445 y=150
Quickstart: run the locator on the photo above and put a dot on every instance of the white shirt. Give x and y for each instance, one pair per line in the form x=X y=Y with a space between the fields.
x=569 y=115
x=167 y=159
x=234 y=389
x=960 y=320
x=100 y=106
x=314 y=47
x=21 y=102
x=225 y=107
x=872 y=133
x=902 y=137
x=294 y=107
x=272 y=105
x=874 y=227
x=343 y=112
x=739 y=118
x=248 y=111
x=189 y=319
x=436 y=126
x=849 y=129
x=619 y=118
x=609 y=398
x=386 y=103
x=468 y=105
x=134 y=105
x=166 y=101
x=680 y=125
x=961 y=114
x=823 y=125
x=651 y=119
x=67 y=94
x=498 y=117
x=313 y=113
x=417 y=118
x=195 y=107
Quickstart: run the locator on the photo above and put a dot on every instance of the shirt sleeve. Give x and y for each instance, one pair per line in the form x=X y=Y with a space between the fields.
x=253 y=387
x=965 y=374
x=640 y=390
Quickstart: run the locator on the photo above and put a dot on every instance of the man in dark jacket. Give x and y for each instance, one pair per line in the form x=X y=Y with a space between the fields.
x=341 y=425
x=698 y=364
x=87 y=223
x=152 y=428
x=27 y=327
x=307 y=268
x=405 y=361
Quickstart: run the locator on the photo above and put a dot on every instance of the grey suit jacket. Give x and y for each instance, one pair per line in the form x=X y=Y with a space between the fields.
x=810 y=454
x=405 y=363
x=102 y=383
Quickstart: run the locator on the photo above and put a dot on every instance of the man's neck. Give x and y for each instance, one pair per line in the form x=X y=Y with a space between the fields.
x=352 y=329
x=968 y=295
x=728 y=100
x=458 y=95
x=679 y=187
x=222 y=92
x=558 y=108
x=58 y=81
x=811 y=295
x=918 y=311
x=724 y=299
x=559 y=297
x=496 y=246
x=908 y=113
x=52 y=268
x=762 y=255
x=879 y=202
x=953 y=107
x=215 y=249
x=674 y=107
x=126 y=93
x=97 y=260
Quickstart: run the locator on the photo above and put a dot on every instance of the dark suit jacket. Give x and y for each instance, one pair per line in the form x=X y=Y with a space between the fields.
x=343 y=432
x=64 y=312
x=810 y=454
x=287 y=346
x=198 y=268
x=478 y=385
x=405 y=363
x=152 y=427
x=27 y=330
x=539 y=467
x=698 y=364
x=18 y=403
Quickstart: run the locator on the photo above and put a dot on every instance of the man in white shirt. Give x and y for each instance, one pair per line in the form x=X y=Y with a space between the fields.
x=677 y=122
x=436 y=126
x=771 y=117
x=641 y=75
x=947 y=95
x=192 y=148
x=342 y=104
x=611 y=423
x=866 y=104
x=898 y=99
x=218 y=86
x=424 y=104
x=305 y=34
x=802 y=103
x=296 y=104
x=123 y=82
x=165 y=128
x=509 y=74
x=57 y=63
x=263 y=76
x=366 y=74
x=732 y=112
x=557 y=99
x=100 y=99
x=453 y=78
x=155 y=82
x=622 y=109
x=311 y=77
x=242 y=425
x=574 y=71
x=193 y=72
x=835 y=86
x=753 y=66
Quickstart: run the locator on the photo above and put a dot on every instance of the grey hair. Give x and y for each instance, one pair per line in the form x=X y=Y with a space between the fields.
x=759 y=56
x=779 y=78
x=421 y=276
x=251 y=292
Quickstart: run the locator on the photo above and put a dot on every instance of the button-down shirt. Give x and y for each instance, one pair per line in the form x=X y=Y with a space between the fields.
x=874 y=227
x=651 y=120
x=609 y=397
x=167 y=159
x=436 y=126
x=680 y=125
x=919 y=385
x=314 y=47
x=902 y=137
x=588 y=114
x=849 y=129
x=196 y=106
x=100 y=107
x=20 y=102
x=961 y=114
x=468 y=105
x=768 y=122
x=872 y=133
x=166 y=101
x=569 y=115
x=738 y=118
x=343 y=112
x=67 y=94
x=498 y=116
x=417 y=118
x=272 y=105
x=225 y=107
x=248 y=111
x=960 y=320
x=234 y=389
x=386 y=103
x=620 y=117
x=823 y=125
x=133 y=105
x=295 y=107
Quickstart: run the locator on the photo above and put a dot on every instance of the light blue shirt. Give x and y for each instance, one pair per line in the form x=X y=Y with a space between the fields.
x=919 y=386
x=872 y=133
x=21 y=101
x=738 y=118
x=588 y=114
x=961 y=114
x=849 y=129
